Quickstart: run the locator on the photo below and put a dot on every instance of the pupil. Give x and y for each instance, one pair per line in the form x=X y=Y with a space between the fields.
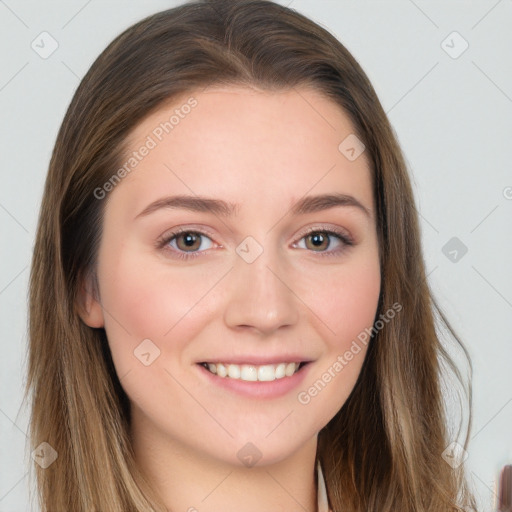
x=318 y=239
x=189 y=239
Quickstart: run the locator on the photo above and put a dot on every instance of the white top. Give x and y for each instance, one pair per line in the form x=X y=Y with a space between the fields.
x=322 y=503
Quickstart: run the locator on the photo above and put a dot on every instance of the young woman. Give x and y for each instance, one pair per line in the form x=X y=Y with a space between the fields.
x=229 y=308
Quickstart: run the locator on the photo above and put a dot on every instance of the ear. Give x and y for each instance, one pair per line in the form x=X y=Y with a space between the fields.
x=89 y=306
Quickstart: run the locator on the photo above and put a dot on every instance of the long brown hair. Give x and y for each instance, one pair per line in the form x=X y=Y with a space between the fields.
x=382 y=451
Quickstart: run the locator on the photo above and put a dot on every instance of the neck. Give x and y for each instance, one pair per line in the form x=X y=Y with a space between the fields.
x=192 y=481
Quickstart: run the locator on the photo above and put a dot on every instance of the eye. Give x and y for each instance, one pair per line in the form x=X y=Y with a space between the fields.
x=319 y=240
x=185 y=243
x=189 y=243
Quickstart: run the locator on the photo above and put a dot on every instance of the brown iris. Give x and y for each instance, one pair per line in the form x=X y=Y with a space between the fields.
x=318 y=239
x=191 y=239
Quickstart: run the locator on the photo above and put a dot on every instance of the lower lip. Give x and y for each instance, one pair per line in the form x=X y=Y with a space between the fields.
x=257 y=389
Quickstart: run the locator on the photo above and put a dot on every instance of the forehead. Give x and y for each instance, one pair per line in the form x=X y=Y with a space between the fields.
x=234 y=140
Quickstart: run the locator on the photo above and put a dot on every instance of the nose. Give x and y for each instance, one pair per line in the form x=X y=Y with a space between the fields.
x=260 y=295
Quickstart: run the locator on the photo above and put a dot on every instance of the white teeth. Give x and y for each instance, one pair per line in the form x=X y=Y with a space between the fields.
x=221 y=370
x=248 y=372
x=290 y=369
x=234 y=371
x=252 y=373
x=280 y=370
x=266 y=373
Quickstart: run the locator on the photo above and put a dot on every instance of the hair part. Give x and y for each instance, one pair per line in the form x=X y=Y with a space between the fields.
x=382 y=450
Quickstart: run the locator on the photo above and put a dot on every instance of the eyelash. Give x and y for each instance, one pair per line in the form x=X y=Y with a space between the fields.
x=166 y=238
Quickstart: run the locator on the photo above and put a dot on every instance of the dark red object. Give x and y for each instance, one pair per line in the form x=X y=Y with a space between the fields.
x=505 y=490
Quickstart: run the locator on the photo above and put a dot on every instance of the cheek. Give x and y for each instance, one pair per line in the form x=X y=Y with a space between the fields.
x=346 y=303
x=345 y=299
x=141 y=303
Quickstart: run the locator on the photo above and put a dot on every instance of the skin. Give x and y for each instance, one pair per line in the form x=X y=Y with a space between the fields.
x=264 y=151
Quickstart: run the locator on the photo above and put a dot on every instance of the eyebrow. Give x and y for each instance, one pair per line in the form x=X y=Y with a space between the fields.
x=309 y=204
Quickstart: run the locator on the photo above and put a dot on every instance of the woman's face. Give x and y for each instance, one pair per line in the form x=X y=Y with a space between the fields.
x=252 y=285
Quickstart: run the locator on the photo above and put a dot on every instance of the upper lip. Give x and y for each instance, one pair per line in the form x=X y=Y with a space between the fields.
x=256 y=360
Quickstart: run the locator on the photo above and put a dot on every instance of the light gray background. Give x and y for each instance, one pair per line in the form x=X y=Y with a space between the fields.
x=453 y=120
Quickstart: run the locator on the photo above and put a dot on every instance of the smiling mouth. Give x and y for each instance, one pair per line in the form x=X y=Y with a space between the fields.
x=253 y=373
